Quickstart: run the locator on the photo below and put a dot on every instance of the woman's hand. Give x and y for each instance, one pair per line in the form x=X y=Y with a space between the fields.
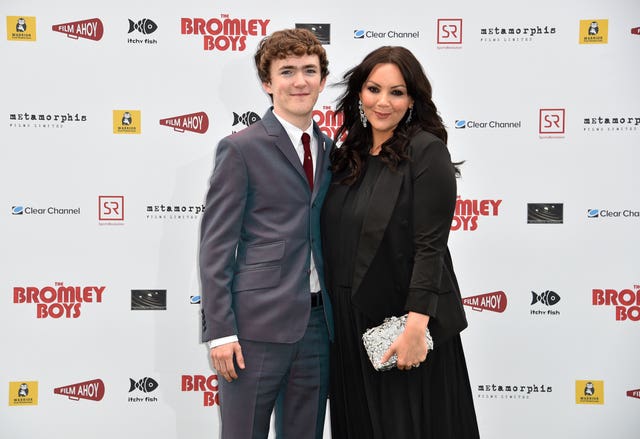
x=411 y=345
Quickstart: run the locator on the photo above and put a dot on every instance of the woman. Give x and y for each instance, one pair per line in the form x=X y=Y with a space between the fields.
x=385 y=226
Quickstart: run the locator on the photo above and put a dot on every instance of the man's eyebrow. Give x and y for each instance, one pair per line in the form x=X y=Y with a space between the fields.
x=307 y=66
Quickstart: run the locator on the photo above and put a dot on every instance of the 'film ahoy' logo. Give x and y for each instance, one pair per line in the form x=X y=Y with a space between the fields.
x=633 y=393
x=207 y=385
x=91 y=29
x=626 y=302
x=58 y=301
x=194 y=122
x=92 y=390
x=496 y=301
x=224 y=33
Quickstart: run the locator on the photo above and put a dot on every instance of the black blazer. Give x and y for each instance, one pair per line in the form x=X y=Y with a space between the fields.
x=403 y=262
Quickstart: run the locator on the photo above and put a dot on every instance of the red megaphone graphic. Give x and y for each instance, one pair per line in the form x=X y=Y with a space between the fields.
x=496 y=301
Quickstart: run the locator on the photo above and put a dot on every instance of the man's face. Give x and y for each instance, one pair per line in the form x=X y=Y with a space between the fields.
x=295 y=84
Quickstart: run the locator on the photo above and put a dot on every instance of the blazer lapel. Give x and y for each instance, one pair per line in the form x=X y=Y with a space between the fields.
x=322 y=159
x=383 y=200
x=282 y=142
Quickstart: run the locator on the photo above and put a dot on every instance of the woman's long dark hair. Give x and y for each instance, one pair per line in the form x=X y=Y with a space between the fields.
x=348 y=159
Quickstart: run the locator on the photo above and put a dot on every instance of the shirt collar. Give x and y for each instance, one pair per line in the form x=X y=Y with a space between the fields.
x=293 y=131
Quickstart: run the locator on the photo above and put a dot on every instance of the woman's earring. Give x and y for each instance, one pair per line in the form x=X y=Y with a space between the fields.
x=409 y=116
x=363 y=117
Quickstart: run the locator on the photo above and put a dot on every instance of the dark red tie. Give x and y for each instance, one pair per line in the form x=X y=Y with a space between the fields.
x=307 y=163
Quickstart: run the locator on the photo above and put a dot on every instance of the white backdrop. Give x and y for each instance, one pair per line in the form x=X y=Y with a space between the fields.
x=110 y=212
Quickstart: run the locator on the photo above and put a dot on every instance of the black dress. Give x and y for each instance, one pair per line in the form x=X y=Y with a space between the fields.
x=433 y=401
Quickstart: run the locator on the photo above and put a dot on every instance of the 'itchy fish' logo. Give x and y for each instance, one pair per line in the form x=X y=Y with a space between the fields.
x=247 y=118
x=144 y=26
x=548 y=298
x=145 y=385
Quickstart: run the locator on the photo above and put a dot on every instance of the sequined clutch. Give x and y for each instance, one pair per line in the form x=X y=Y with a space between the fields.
x=377 y=340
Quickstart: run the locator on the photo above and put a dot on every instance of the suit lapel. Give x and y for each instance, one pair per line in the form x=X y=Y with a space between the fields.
x=378 y=213
x=282 y=142
x=322 y=159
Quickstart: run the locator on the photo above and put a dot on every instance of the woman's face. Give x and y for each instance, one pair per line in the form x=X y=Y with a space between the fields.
x=384 y=100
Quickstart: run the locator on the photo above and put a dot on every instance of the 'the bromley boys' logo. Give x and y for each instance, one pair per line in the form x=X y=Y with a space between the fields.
x=626 y=301
x=91 y=29
x=328 y=120
x=208 y=385
x=468 y=211
x=224 y=33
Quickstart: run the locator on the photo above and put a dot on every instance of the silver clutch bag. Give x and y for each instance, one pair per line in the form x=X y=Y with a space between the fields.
x=377 y=340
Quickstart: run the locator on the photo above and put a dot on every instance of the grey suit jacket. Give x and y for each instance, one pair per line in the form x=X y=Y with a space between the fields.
x=261 y=223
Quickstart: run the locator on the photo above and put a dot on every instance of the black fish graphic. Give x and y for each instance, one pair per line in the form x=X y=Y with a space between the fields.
x=548 y=298
x=248 y=118
x=145 y=384
x=146 y=26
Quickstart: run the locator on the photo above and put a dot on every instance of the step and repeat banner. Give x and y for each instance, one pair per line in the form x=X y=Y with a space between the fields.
x=109 y=118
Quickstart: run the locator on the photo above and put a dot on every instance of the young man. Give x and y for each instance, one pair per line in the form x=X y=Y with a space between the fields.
x=267 y=315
